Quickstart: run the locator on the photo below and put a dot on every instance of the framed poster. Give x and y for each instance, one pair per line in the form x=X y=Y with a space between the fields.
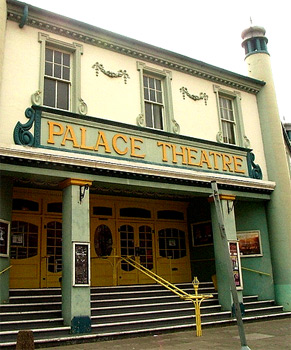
x=236 y=266
x=202 y=233
x=250 y=243
x=4 y=238
x=81 y=262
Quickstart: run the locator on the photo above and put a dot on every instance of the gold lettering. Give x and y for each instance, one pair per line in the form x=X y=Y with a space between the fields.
x=237 y=164
x=83 y=140
x=226 y=162
x=102 y=141
x=204 y=159
x=175 y=154
x=70 y=136
x=134 y=147
x=215 y=155
x=192 y=156
x=164 y=149
x=114 y=144
x=52 y=132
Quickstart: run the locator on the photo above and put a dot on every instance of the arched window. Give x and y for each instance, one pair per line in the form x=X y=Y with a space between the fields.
x=103 y=240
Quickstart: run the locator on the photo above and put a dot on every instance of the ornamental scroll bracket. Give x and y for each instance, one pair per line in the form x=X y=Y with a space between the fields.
x=21 y=134
x=202 y=96
x=121 y=73
x=255 y=171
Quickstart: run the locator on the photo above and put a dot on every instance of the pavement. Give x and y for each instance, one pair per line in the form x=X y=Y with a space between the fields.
x=263 y=335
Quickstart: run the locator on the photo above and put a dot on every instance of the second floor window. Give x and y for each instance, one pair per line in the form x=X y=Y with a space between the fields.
x=153 y=99
x=227 y=120
x=57 y=79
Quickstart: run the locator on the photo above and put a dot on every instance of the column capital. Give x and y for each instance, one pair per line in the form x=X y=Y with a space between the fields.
x=227 y=197
x=76 y=182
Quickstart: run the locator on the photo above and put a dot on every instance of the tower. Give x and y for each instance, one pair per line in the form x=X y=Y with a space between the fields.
x=279 y=206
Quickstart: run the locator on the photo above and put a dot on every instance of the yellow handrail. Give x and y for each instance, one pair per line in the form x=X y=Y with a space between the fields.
x=259 y=272
x=7 y=268
x=196 y=299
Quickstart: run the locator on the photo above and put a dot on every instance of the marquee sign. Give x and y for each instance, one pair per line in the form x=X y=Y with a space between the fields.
x=70 y=132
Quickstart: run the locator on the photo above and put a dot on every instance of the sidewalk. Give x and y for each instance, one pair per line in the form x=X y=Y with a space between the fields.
x=263 y=335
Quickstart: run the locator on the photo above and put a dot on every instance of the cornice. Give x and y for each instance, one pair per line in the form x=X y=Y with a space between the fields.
x=26 y=156
x=138 y=50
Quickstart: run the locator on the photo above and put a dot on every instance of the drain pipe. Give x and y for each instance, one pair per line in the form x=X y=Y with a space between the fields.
x=24 y=16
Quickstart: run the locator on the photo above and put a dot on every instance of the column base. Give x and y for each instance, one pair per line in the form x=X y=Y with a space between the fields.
x=81 y=324
x=283 y=295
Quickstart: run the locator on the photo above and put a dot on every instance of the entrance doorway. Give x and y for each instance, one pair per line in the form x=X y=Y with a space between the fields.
x=153 y=233
x=36 y=240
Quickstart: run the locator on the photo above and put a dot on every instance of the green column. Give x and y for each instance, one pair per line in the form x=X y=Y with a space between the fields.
x=224 y=292
x=76 y=309
x=6 y=188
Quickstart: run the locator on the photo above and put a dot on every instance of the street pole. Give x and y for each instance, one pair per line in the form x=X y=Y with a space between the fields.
x=224 y=241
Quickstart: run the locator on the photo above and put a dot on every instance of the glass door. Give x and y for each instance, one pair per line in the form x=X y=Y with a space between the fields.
x=136 y=241
x=25 y=252
x=51 y=253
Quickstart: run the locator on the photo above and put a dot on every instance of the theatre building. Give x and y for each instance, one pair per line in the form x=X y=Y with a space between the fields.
x=109 y=147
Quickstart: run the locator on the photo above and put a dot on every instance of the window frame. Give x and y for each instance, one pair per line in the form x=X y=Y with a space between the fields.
x=76 y=103
x=238 y=129
x=165 y=76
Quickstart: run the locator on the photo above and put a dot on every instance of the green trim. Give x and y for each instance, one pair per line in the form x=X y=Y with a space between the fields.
x=241 y=138
x=170 y=125
x=255 y=171
x=21 y=134
x=24 y=17
x=77 y=105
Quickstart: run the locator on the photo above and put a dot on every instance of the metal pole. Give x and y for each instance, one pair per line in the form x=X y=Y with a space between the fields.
x=229 y=266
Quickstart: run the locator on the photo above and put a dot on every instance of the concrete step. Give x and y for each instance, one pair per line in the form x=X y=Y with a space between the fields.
x=119 y=311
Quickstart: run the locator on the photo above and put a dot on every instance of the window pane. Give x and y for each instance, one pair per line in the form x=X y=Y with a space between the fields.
x=48 y=69
x=58 y=57
x=159 y=97
x=145 y=81
x=66 y=59
x=158 y=85
x=146 y=94
x=66 y=73
x=158 y=117
x=57 y=71
x=63 y=95
x=152 y=95
x=148 y=116
x=49 y=92
x=231 y=137
x=152 y=83
x=49 y=55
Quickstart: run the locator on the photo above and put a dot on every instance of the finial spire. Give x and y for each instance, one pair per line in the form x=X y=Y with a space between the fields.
x=251 y=21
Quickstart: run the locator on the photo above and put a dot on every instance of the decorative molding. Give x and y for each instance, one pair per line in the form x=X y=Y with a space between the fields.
x=255 y=171
x=219 y=137
x=140 y=120
x=121 y=73
x=36 y=98
x=175 y=127
x=21 y=134
x=83 y=108
x=247 y=142
x=250 y=87
x=202 y=95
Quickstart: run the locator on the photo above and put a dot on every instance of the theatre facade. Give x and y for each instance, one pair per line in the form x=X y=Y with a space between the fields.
x=109 y=147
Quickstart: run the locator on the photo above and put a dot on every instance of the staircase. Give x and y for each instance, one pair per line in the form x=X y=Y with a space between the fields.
x=118 y=311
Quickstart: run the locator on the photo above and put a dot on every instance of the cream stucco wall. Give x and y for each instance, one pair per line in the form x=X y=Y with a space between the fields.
x=111 y=98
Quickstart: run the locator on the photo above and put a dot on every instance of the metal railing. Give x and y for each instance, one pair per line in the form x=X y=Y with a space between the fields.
x=256 y=271
x=196 y=298
x=7 y=268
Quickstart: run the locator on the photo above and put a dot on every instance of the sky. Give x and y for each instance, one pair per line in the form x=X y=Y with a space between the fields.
x=206 y=30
